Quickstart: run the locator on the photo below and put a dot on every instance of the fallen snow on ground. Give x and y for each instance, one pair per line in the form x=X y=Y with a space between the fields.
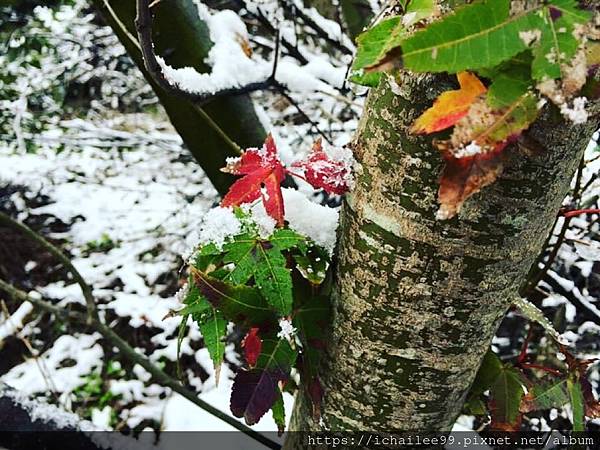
x=149 y=203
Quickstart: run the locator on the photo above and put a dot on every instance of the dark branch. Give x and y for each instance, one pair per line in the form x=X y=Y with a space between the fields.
x=143 y=25
x=294 y=11
x=303 y=114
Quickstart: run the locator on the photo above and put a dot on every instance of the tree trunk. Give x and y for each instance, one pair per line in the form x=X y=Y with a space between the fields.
x=417 y=301
x=182 y=38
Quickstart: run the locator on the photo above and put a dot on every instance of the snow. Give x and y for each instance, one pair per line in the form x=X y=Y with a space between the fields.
x=10 y=325
x=311 y=219
x=308 y=218
x=46 y=372
x=589 y=251
x=287 y=330
x=265 y=223
x=529 y=37
x=577 y=113
x=471 y=149
x=218 y=225
x=231 y=67
x=40 y=411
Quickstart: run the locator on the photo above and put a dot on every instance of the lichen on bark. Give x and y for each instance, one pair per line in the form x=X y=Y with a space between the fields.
x=417 y=301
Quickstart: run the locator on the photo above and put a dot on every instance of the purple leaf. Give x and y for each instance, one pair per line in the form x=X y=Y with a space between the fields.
x=254 y=392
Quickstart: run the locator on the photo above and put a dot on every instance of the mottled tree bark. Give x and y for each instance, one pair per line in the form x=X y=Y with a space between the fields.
x=417 y=300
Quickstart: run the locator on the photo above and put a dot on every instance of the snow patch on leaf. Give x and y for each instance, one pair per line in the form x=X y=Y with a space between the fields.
x=218 y=226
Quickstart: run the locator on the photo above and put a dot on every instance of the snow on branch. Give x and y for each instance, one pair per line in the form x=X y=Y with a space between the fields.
x=234 y=69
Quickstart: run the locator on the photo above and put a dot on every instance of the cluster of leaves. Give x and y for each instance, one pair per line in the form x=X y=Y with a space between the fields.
x=508 y=390
x=275 y=288
x=263 y=172
x=547 y=51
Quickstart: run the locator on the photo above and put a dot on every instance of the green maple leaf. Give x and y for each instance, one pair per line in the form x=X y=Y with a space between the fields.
x=238 y=303
x=278 y=410
x=558 y=44
x=264 y=260
x=505 y=397
x=211 y=322
x=548 y=395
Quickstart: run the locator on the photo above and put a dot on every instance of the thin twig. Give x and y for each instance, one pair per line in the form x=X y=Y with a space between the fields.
x=295 y=11
x=264 y=21
x=129 y=353
x=534 y=280
x=86 y=289
x=303 y=114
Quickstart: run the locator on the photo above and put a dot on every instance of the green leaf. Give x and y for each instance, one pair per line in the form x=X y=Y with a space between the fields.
x=213 y=327
x=557 y=45
x=212 y=324
x=240 y=252
x=577 y=403
x=263 y=260
x=475 y=406
x=491 y=128
x=370 y=79
x=207 y=256
x=418 y=10
x=180 y=336
x=469 y=38
x=488 y=373
x=311 y=321
x=274 y=279
x=510 y=81
x=379 y=45
x=375 y=44
x=278 y=410
x=548 y=395
x=312 y=264
x=534 y=314
x=505 y=398
x=239 y=304
x=276 y=354
x=284 y=239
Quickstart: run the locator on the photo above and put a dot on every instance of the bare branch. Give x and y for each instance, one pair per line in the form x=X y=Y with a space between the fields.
x=294 y=10
x=65 y=261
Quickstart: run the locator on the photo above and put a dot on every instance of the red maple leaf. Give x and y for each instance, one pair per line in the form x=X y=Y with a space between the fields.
x=262 y=173
x=321 y=171
x=252 y=346
x=261 y=168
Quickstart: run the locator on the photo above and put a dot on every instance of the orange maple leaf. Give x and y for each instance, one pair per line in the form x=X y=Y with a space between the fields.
x=450 y=106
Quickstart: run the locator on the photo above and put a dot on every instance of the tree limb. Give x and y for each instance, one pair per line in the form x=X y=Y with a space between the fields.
x=86 y=289
x=143 y=25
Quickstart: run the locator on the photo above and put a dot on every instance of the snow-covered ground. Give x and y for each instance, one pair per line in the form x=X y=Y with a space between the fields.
x=147 y=197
